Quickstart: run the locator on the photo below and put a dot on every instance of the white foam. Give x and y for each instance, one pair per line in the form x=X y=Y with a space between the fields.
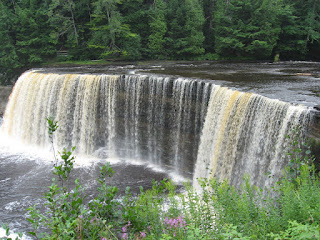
x=13 y=235
x=177 y=178
x=10 y=206
x=10 y=145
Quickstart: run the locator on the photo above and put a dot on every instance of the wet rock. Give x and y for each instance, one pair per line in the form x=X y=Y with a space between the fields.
x=4 y=97
x=314 y=129
x=317 y=107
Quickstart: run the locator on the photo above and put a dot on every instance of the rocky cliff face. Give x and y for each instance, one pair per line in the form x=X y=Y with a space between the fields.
x=4 y=97
x=315 y=125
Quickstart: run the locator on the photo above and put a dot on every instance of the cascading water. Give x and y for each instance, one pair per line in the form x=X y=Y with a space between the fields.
x=146 y=118
x=246 y=133
x=158 y=120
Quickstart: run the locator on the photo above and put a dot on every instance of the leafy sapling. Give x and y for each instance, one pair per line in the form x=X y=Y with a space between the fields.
x=105 y=204
x=62 y=170
x=52 y=127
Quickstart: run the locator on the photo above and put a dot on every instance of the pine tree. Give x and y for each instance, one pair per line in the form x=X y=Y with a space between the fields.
x=185 y=21
x=208 y=9
x=300 y=29
x=134 y=40
x=8 y=57
x=158 y=29
x=247 y=28
x=33 y=42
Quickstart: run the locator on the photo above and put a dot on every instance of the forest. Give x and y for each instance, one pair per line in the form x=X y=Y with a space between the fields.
x=33 y=32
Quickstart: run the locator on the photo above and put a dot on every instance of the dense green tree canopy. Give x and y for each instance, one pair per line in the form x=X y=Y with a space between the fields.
x=35 y=31
x=248 y=28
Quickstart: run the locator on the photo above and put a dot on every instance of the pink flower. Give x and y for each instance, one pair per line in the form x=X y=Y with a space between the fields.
x=143 y=234
x=124 y=236
x=94 y=220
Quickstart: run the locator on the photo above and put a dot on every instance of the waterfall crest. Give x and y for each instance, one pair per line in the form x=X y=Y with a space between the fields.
x=192 y=127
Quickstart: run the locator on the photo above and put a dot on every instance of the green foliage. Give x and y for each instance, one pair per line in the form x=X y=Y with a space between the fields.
x=9 y=59
x=298 y=231
x=292 y=214
x=300 y=28
x=247 y=28
x=110 y=35
x=33 y=32
x=144 y=213
x=63 y=170
x=254 y=214
x=52 y=126
x=105 y=206
x=231 y=232
x=67 y=216
x=299 y=156
x=185 y=37
x=158 y=29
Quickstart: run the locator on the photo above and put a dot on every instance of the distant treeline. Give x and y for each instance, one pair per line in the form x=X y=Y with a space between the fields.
x=34 y=31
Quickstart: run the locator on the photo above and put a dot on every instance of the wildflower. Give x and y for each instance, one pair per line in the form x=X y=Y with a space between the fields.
x=94 y=220
x=124 y=236
x=175 y=224
x=143 y=234
x=124 y=228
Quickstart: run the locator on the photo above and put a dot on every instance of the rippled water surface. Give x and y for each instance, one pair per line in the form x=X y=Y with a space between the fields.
x=295 y=82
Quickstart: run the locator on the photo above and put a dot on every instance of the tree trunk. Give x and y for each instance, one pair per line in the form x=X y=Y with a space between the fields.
x=73 y=22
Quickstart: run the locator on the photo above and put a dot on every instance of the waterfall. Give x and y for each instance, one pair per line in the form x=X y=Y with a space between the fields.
x=134 y=117
x=246 y=133
x=189 y=126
